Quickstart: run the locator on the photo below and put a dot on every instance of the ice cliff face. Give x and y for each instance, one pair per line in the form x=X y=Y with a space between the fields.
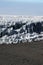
x=17 y=29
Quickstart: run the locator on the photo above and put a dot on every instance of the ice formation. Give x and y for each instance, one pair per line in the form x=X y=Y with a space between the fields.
x=17 y=29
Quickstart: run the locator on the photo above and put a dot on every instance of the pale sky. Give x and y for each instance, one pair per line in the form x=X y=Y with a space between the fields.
x=21 y=7
x=23 y=0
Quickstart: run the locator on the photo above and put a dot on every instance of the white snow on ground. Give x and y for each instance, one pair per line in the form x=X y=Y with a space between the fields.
x=9 y=35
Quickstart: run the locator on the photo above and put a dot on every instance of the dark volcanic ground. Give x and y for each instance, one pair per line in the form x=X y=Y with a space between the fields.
x=22 y=54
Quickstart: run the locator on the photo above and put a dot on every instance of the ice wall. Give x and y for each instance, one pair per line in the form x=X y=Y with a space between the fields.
x=17 y=29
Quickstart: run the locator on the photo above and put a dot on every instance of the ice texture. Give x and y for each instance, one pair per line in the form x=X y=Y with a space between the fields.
x=20 y=29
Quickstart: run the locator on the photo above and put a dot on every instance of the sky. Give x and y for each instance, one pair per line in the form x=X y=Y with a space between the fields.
x=22 y=0
x=21 y=7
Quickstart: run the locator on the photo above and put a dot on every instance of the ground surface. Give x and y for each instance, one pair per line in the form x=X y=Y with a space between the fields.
x=22 y=54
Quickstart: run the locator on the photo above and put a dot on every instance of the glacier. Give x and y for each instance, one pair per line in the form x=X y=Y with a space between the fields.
x=20 y=29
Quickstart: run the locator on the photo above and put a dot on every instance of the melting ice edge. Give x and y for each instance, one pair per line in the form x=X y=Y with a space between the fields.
x=17 y=29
